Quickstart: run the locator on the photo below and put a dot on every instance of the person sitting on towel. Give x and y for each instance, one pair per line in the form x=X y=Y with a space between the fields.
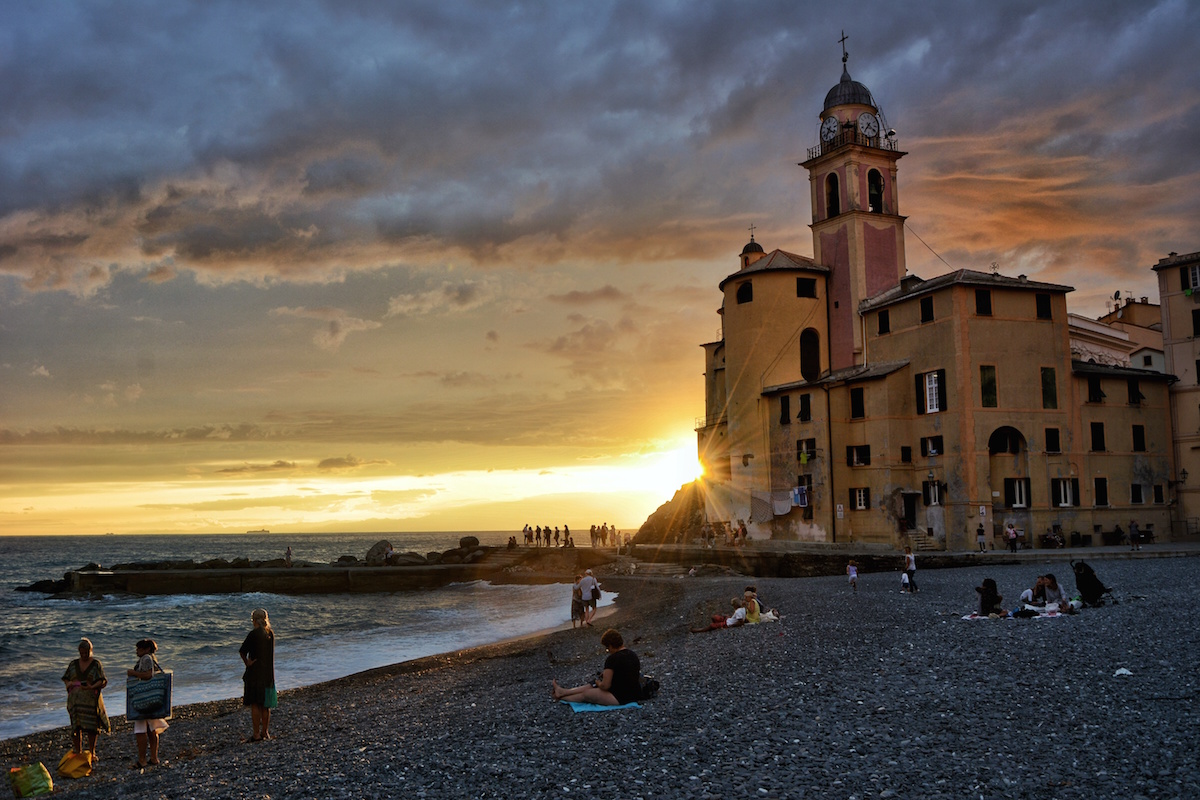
x=989 y=599
x=619 y=683
x=1055 y=595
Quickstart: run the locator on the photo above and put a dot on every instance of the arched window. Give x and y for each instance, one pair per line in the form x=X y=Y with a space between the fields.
x=833 y=198
x=1005 y=440
x=875 y=192
x=810 y=355
x=745 y=292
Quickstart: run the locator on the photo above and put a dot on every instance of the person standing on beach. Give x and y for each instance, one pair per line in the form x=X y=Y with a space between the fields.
x=146 y=731
x=589 y=590
x=852 y=574
x=287 y=557
x=910 y=569
x=85 y=681
x=258 y=654
x=981 y=538
x=619 y=683
x=577 y=602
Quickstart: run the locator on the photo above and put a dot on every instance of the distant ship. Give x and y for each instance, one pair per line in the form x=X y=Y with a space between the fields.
x=264 y=530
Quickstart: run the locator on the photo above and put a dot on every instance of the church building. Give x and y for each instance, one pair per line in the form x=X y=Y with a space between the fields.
x=850 y=401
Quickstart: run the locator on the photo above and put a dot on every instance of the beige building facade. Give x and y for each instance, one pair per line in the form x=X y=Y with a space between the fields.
x=847 y=401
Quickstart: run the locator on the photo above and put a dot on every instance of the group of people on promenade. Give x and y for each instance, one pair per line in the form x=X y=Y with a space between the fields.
x=85 y=681
x=718 y=533
x=544 y=537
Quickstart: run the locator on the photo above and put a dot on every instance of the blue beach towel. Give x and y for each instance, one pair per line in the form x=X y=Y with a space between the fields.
x=579 y=708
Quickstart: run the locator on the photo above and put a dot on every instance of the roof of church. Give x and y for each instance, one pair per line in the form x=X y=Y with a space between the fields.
x=862 y=372
x=849 y=92
x=913 y=286
x=777 y=260
x=752 y=246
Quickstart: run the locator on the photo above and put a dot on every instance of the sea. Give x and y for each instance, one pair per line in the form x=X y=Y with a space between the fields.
x=318 y=637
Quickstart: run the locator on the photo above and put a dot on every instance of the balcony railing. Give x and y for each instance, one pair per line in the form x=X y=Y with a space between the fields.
x=849 y=136
x=710 y=421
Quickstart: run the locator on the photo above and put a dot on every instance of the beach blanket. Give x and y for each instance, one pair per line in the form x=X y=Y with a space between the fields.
x=579 y=708
x=1041 y=613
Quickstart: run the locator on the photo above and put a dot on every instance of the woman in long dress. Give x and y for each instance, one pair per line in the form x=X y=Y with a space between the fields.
x=258 y=654
x=85 y=681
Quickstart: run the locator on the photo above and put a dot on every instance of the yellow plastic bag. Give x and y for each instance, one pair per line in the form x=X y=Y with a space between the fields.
x=75 y=765
x=30 y=780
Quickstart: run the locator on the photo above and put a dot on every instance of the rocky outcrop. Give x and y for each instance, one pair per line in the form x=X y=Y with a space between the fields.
x=377 y=555
x=682 y=514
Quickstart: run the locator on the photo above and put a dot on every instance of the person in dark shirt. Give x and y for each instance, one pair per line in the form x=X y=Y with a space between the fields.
x=619 y=683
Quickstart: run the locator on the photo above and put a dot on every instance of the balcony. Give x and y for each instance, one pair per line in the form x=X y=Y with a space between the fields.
x=849 y=136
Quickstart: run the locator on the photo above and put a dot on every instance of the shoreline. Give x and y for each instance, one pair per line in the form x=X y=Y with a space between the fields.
x=866 y=693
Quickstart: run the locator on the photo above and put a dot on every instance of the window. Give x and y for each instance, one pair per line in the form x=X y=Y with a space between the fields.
x=806 y=287
x=875 y=192
x=860 y=499
x=1135 y=394
x=1147 y=361
x=926 y=309
x=1049 y=388
x=1135 y=494
x=858 y=455
x=833 y=201
x=1189 y=277
x=1052 y=443
x=745 y=292
x=1064 y=492
x=987 y=386
x=1196 y=322
x=1004 y=440
x=785 y=410
x=983 y=302
x=931 y=446
x=810 y=355
x=805 y=414
x=1159 y=496
x=1095 y=395
x=931 y=492
x=1139 y=438
x=905 y=454
x=1097 y=437
x=1016 y=492
x=1101 y=489
x=1043 y=306
x=806 y=450
x=857 y=404
x=885 y=321
x=931 y=392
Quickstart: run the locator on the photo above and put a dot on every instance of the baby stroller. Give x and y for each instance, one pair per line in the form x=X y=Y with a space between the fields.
x=1090 y=588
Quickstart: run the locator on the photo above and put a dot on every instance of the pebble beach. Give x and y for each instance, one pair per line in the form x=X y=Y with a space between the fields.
x=860 y=694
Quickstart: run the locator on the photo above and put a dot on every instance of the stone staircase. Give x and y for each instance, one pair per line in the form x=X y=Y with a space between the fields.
x=921 y=542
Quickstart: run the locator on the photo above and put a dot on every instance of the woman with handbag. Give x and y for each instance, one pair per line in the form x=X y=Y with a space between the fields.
x=146 y=730
x=85 y=680
x=258 y=654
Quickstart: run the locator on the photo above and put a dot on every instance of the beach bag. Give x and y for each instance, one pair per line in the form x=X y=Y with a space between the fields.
x=30 y=780
x=271 y=698
x=595 y=592
x=650 y=686
x=75 y=765
x=149 y=699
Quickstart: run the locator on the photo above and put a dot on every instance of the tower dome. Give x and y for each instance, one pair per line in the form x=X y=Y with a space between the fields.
x=752 y=247
x=849 y=92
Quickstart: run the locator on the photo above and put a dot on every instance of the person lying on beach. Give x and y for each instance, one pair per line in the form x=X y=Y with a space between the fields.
x=719 y=621
x=618 y=684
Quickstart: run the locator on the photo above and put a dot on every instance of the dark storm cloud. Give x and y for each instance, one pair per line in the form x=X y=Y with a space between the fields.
x=283 y=139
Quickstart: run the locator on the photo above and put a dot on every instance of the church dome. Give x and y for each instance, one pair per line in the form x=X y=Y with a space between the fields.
x=849 y=92
x=752 y=247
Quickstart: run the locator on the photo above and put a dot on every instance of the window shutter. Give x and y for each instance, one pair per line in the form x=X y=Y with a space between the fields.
x=1028 y=495
x=925 y=492
x=920 y=394
x=1055 y=493
x=1010 y=492
x=1184 y=278
x=866 y=455
x=853 y=500
x=1074 y=491
x=849 y=455
x=944 y=497
x=866 y=498
x=941 y=378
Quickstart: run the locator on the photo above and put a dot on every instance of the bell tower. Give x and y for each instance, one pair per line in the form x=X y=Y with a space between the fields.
x=857 y=228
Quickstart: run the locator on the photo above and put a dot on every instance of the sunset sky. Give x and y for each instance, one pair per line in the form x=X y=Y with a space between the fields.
x=368 y=266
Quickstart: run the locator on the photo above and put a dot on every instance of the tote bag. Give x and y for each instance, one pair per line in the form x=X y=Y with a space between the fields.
x=149 y=699
x=30 y=780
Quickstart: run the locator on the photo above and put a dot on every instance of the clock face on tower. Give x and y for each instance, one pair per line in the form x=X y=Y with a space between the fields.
x=868 y=125
x=829 y=129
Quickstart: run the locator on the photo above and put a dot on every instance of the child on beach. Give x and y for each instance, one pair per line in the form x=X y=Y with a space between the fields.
x=904 y=582
x=852 y=574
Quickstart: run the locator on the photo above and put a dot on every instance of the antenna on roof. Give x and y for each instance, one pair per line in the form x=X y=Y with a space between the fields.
x=1117 y=294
